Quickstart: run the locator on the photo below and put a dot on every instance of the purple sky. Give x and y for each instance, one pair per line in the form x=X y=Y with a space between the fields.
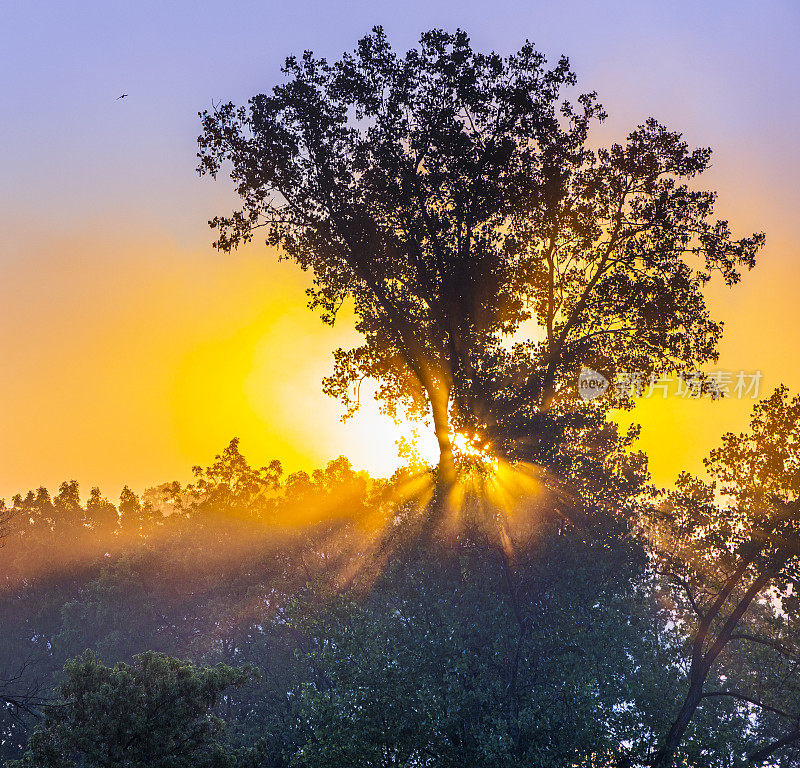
x=99 y=204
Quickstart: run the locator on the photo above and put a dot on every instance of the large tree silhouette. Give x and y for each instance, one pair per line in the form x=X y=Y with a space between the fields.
x=452 y=195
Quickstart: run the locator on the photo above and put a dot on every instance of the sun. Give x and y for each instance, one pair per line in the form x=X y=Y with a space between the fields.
x=388 y=444
x=473 y=447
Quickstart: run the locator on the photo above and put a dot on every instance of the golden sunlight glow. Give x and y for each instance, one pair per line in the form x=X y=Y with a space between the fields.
x=473 y=447
x=162 y=354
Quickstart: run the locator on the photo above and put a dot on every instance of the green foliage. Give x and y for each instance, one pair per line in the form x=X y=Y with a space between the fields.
x=568 y=643
x=100 y=616
x=154 y=713
x=451 y=196
x=730 y=548
x=433 y=668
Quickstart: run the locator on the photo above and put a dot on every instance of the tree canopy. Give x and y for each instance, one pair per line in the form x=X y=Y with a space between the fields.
x=731 y=547
x=154 y=713
x=452 y=195
x=665 y=636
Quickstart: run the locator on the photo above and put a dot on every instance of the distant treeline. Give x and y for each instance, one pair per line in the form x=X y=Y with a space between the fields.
x=228 y=502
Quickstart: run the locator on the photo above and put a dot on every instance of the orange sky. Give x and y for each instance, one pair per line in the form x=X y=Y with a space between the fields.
x=131 y=350
x=128 y=359
x=130 y=362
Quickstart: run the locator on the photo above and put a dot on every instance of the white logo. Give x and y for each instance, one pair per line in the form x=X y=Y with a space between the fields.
x=591 y=384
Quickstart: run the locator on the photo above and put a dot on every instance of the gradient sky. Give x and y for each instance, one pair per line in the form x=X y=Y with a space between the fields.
x=130 y=350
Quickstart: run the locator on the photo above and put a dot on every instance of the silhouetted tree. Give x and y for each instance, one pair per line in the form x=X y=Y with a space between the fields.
x=132 y=515
x=71 y=515
x=101 y=514
x=6 y=515
x=230 y=489
x=452 y=195
x=35 y=509
x=431 y=654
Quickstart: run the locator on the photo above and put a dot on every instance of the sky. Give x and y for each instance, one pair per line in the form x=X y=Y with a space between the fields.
x=130 y=350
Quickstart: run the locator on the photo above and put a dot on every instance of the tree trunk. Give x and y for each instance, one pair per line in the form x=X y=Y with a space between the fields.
x=440 y=408
x=702 y=662
x=440 y=508
x=681 y=723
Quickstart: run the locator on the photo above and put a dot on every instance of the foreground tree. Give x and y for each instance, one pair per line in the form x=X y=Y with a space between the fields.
x=452 y=195
x=429 y=667
x=732 y=550
x=155 y=713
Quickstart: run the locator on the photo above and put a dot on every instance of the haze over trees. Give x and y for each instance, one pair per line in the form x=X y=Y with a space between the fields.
x=417 y=651
x=531 y=601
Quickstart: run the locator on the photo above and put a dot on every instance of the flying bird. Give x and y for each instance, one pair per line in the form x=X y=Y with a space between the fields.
x=122 y=97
